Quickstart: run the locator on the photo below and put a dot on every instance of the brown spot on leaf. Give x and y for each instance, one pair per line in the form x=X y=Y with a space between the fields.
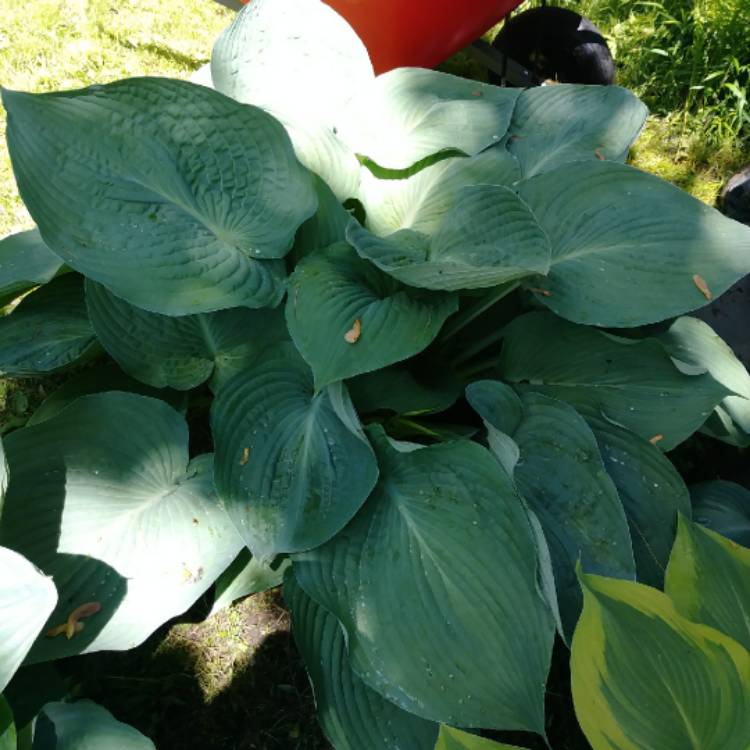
x=245 y=456
x=655 y=439
x=599 y=154
x=353 y=334
x=700 y=282
x=543 y=292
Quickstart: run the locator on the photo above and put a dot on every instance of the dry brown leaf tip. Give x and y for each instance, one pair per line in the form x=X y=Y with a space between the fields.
x=353 y=334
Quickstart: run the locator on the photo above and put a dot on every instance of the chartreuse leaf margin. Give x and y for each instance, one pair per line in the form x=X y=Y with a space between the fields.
x=645 y=676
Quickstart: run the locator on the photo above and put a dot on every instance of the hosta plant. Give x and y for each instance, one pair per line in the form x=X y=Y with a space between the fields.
x=408 y=319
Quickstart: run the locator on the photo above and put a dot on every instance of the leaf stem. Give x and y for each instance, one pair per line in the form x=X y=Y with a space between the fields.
x=465 y=317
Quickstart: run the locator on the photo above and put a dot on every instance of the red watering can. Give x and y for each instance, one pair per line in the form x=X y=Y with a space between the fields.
x=422 y=33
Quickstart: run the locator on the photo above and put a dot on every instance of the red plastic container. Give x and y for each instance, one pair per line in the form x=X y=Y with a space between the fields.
x=422 y=33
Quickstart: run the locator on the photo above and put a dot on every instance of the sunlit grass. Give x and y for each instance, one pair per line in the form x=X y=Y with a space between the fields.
x=48 y=45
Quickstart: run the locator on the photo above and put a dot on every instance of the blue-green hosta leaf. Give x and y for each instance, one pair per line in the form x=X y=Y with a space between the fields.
x=100 y=379
x=723 y=507
x=448 y=645
x=27 y=599
x=292 y=465
x=708 y=579
x=555 y=125
x=244 y=577
x=694 y=342
x=627 y=246
x=409 y=114
x=165 y=351
x=353 y=716
x=487 y=237
x=166 y=192
x=455 y=739
x=427 y=388
x=651 y=491
x=302 y=62
x=561 y=476
x=346 y=317
x=25 y=261
x=7 y=727
x=130 y=522
x=631 y=383
x=84 y=725
x=48 y=331
x=645 y=677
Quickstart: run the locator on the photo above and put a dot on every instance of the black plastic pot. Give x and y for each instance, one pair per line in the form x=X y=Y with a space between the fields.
x=556 y=44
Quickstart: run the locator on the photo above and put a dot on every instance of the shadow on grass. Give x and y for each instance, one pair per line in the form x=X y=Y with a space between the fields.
x=233 y=682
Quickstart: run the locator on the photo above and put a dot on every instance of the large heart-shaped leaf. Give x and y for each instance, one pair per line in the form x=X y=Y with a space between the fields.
x=244 y=577
x=292 y=465
x=48 y=331
x=629 y=382
x=346 y=317
x=651 y=491
x=645 y=677
x=694 y=342
x=470 y=649
x=723 y=507
x=561 y=476
x=25 y=261
x=409 y=114
x=27 y=599
x=487 y=237
x=353 y=716
x=166 y=192
x=84 y=725
x=708 y=579
x=181 y=353
x=555 y=125
x=454 y=739
x=133 y=532
x=629 y=248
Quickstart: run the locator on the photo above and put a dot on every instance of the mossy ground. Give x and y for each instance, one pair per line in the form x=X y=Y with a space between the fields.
x=234 y=680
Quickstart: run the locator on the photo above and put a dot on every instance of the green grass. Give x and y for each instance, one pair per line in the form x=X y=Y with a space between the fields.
x=48 y=45
x=688 y=61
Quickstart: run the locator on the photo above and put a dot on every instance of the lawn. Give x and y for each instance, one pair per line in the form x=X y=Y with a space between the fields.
x=234 y=681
